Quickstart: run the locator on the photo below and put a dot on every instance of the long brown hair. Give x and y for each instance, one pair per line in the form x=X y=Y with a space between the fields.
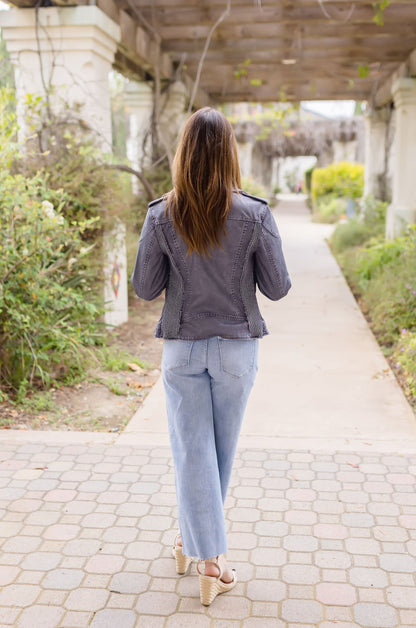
x=205 y=171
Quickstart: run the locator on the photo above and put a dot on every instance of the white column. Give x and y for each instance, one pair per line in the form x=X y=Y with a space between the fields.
x=173 y=114
x=115 y=273
x=402 y=210
x=274 y=183
x=138 y=97
x=68 y=53
x=375 y=121
x=245 y=156
x=69 y=49
x=344 y=151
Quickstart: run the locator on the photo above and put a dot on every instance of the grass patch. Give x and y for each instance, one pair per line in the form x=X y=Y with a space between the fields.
x=113 y=359
x=39 y=402
x=114 y=386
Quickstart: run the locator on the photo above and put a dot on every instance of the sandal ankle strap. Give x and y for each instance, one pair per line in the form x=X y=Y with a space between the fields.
x=214 y=561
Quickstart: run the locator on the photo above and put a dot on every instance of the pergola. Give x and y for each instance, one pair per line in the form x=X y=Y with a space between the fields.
x=218 y=51
x=307 y=49
x=259 y=50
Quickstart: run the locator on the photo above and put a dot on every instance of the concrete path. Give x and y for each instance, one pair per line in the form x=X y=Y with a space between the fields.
x=321 y=374
x=321 y=511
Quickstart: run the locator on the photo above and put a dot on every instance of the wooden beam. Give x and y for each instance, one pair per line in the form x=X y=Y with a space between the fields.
x=110 y=8
x=273 y=95
x=278 y=81
x=270 y=57
x=212 y=81
x=296 y=15
x=179 y=4
x=306 y=66
x=408 y=68
x=249 y=14
x=299 y=34
x=373 y=47
x=137 y=45
x=129 y=68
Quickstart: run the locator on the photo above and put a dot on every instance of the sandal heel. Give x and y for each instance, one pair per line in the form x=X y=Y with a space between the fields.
x=182 y=561
x=208 y=589
x=211 y=586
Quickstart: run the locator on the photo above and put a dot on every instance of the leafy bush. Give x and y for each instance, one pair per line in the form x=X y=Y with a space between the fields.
x=373 y=215
x=387 y=277
x=52 y=208
x=48 y=309
x=374 y=259
x=384 y=274
x=359 y=230
x=348 y=234
x=67 y=154
x=308 y=178
x=405 y=357
x=343 y=179
x=329 y=208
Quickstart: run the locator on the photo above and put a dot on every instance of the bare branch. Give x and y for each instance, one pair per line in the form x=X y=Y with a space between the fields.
x=148 y=188
x=330 y=17
x=157 y=111
x=204 y=53
x=145 y=22
x=16 y=265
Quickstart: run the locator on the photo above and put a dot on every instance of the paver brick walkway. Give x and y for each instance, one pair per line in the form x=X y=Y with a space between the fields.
x=318 y=539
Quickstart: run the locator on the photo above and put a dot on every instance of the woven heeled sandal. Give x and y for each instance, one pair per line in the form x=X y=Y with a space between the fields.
x=182 y=561
x=211 y=586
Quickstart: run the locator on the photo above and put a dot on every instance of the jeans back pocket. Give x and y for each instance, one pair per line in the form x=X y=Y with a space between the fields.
x=176 y=353
x=238 y=357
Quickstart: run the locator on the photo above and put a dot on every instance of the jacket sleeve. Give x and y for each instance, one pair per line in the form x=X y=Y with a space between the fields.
x=151 y=270
x=269 y=264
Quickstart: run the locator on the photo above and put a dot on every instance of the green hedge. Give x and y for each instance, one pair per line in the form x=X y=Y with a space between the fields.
x=342 y=179
x=308 y=178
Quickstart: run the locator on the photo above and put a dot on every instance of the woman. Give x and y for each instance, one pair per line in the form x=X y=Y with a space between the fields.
x=208 y=244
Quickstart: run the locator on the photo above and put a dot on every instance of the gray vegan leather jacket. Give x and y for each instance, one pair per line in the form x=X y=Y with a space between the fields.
x=212 y=296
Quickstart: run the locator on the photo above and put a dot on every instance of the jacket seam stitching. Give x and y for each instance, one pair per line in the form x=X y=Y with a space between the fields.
x=273 y=264
x=237 y=257
x=147 y=258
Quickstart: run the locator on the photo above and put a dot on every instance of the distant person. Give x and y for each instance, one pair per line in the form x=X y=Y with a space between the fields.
x=299 y=186
x=208 y=244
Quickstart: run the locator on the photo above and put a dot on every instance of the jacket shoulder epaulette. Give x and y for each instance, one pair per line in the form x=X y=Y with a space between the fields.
x=156 y=201
x=256 y=198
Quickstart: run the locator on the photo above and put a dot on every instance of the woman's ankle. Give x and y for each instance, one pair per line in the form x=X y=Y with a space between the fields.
x=218 y=567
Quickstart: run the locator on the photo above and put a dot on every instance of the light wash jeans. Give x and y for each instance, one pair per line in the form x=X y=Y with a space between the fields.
x=207 y=385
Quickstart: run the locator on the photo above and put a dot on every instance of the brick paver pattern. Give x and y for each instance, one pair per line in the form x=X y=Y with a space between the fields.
x=317 y=539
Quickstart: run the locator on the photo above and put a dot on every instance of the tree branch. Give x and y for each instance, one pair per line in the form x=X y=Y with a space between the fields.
x=148 y=188
x=204 y=53
x=330 y=17
x=16 y=265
